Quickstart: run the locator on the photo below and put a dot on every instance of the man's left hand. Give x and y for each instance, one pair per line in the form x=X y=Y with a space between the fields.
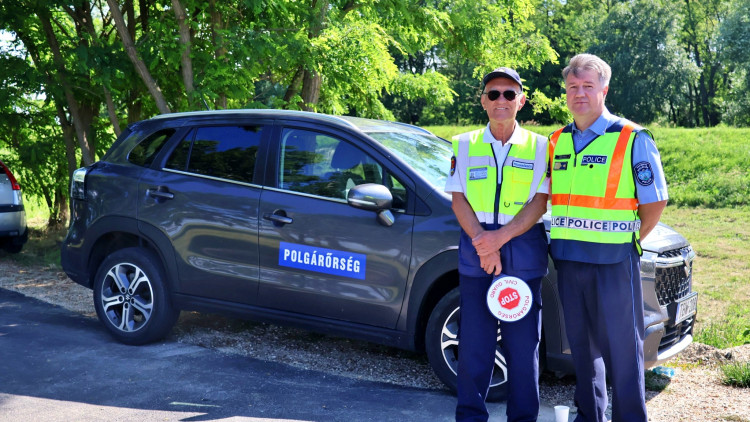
x=488 y=242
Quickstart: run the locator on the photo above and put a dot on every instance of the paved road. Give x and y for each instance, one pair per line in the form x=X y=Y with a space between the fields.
x=61 y=366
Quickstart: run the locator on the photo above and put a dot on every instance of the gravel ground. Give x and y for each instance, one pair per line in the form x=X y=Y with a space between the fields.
x=695 y=393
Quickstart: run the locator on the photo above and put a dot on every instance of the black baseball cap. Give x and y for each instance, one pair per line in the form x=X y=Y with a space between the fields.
x=503 y=72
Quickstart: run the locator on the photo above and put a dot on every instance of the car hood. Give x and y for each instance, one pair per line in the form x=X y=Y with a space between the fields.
x=663 y=238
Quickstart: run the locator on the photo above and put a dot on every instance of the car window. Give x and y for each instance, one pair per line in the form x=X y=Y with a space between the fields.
x=226 y=152
x=319 y=164
x=143 y=154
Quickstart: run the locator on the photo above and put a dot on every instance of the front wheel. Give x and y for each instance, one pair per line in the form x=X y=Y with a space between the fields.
x=131 y=297
x=441 y=343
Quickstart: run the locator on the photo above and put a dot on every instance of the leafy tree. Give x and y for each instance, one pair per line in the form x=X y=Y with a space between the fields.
x=648 y=66
x=699 y=38
x=29 y=137
x=735 y=39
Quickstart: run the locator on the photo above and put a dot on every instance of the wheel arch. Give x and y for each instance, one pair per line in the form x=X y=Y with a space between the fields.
x=116 y=233
x=433 y=280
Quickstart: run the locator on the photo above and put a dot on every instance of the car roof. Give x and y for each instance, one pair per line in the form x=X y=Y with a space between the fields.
x=363 y=124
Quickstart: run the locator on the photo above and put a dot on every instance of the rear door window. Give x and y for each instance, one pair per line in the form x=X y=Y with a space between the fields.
x=224 y=152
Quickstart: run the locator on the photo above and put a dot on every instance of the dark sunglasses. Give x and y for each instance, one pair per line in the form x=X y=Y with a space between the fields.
x=509 y=95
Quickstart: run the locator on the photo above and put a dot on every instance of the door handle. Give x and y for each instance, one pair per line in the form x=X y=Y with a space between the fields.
x=160 y=193
x=278 y=217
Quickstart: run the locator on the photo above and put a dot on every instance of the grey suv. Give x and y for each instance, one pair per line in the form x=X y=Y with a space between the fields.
x=334 y=224
x=13 y=230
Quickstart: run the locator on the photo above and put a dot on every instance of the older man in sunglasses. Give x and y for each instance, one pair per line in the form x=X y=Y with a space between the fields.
x=499 y=184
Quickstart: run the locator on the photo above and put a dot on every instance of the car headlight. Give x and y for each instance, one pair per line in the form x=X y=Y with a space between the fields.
x=77 y=184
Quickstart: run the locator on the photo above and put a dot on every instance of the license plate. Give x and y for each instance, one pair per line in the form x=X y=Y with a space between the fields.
x=686 y=308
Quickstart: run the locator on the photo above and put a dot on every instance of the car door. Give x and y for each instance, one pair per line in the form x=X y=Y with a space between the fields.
x=204 y=201
x=320 y=256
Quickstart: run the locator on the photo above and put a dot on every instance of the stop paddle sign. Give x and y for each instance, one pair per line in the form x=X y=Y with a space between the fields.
x=509 y=298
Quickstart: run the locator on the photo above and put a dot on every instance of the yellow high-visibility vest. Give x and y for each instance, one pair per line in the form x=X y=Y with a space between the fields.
x=593 y=192
x=520 y=180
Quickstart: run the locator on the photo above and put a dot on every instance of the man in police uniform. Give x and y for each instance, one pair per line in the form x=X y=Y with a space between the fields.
x=607 y=192
x=500 y=188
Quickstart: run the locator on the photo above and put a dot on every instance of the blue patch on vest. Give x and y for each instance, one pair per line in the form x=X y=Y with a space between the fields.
x=594 y=159
x=322 y=260
x=643 y=173
x=522 y=165
x=561 y=165
x=478 y=173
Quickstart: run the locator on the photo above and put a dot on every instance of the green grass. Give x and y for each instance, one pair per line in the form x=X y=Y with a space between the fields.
x=706 y=167
x=736 y=374
x=721 y=271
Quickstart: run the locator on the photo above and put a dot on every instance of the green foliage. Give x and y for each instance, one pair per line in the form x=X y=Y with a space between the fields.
x=733 y=34
x=649 y=65
x=557 y=108
x=736 y=374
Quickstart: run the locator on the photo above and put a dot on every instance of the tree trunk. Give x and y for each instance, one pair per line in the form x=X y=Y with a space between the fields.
x=186 y=62
x=310 y=90
x=220 y=53
x=112 y=111
x=70 y=149
x=293 y=88
x=59 y=214
x=311 y=80
x=140 y=67
x=73 y=106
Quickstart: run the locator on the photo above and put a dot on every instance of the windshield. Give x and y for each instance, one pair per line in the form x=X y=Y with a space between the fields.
x=429 y=155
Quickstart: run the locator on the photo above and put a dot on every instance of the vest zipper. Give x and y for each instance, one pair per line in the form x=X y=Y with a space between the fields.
x=498 y=169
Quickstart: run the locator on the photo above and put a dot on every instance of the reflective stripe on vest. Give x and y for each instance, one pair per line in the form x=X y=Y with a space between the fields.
x=593 y=192
x=519 y=175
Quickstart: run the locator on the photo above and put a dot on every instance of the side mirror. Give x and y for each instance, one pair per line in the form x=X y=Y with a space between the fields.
x=373 y=197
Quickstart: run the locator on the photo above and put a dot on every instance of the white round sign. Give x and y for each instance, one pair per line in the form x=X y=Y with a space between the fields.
x=509 y=298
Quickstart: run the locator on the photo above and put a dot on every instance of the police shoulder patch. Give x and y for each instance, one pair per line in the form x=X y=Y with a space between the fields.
x=453 y=165
x=643 y=173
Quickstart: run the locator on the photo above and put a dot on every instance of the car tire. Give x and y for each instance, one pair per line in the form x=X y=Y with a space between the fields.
x=441 y=344
x=12 y=247
x=131 y=297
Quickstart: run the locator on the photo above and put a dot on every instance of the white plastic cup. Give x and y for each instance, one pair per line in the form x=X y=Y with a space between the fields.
x=561 y=413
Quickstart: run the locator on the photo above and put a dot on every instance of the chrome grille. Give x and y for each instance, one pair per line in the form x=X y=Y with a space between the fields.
x=673 y=282
x=674 y=333
x=674 y=253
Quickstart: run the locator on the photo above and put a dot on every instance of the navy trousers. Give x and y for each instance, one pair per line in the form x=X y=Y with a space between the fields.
x=476 y=353
x=603 y=308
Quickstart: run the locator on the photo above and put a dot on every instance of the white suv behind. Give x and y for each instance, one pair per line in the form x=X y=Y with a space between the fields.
x=13 y=230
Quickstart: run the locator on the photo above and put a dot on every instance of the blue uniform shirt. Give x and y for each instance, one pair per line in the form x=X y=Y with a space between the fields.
x=651 y=186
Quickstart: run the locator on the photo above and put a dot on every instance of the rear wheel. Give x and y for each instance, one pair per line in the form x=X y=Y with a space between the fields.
x=131 y=297
x=441 y=343
x=11 y=247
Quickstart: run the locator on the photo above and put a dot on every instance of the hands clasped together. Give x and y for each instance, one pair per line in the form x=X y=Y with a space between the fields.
x=488 y=244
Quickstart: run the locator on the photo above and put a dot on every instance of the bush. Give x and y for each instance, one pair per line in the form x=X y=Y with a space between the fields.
x=736 y=374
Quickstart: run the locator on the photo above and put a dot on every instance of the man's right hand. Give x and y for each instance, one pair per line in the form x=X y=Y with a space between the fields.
x=491 y=263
